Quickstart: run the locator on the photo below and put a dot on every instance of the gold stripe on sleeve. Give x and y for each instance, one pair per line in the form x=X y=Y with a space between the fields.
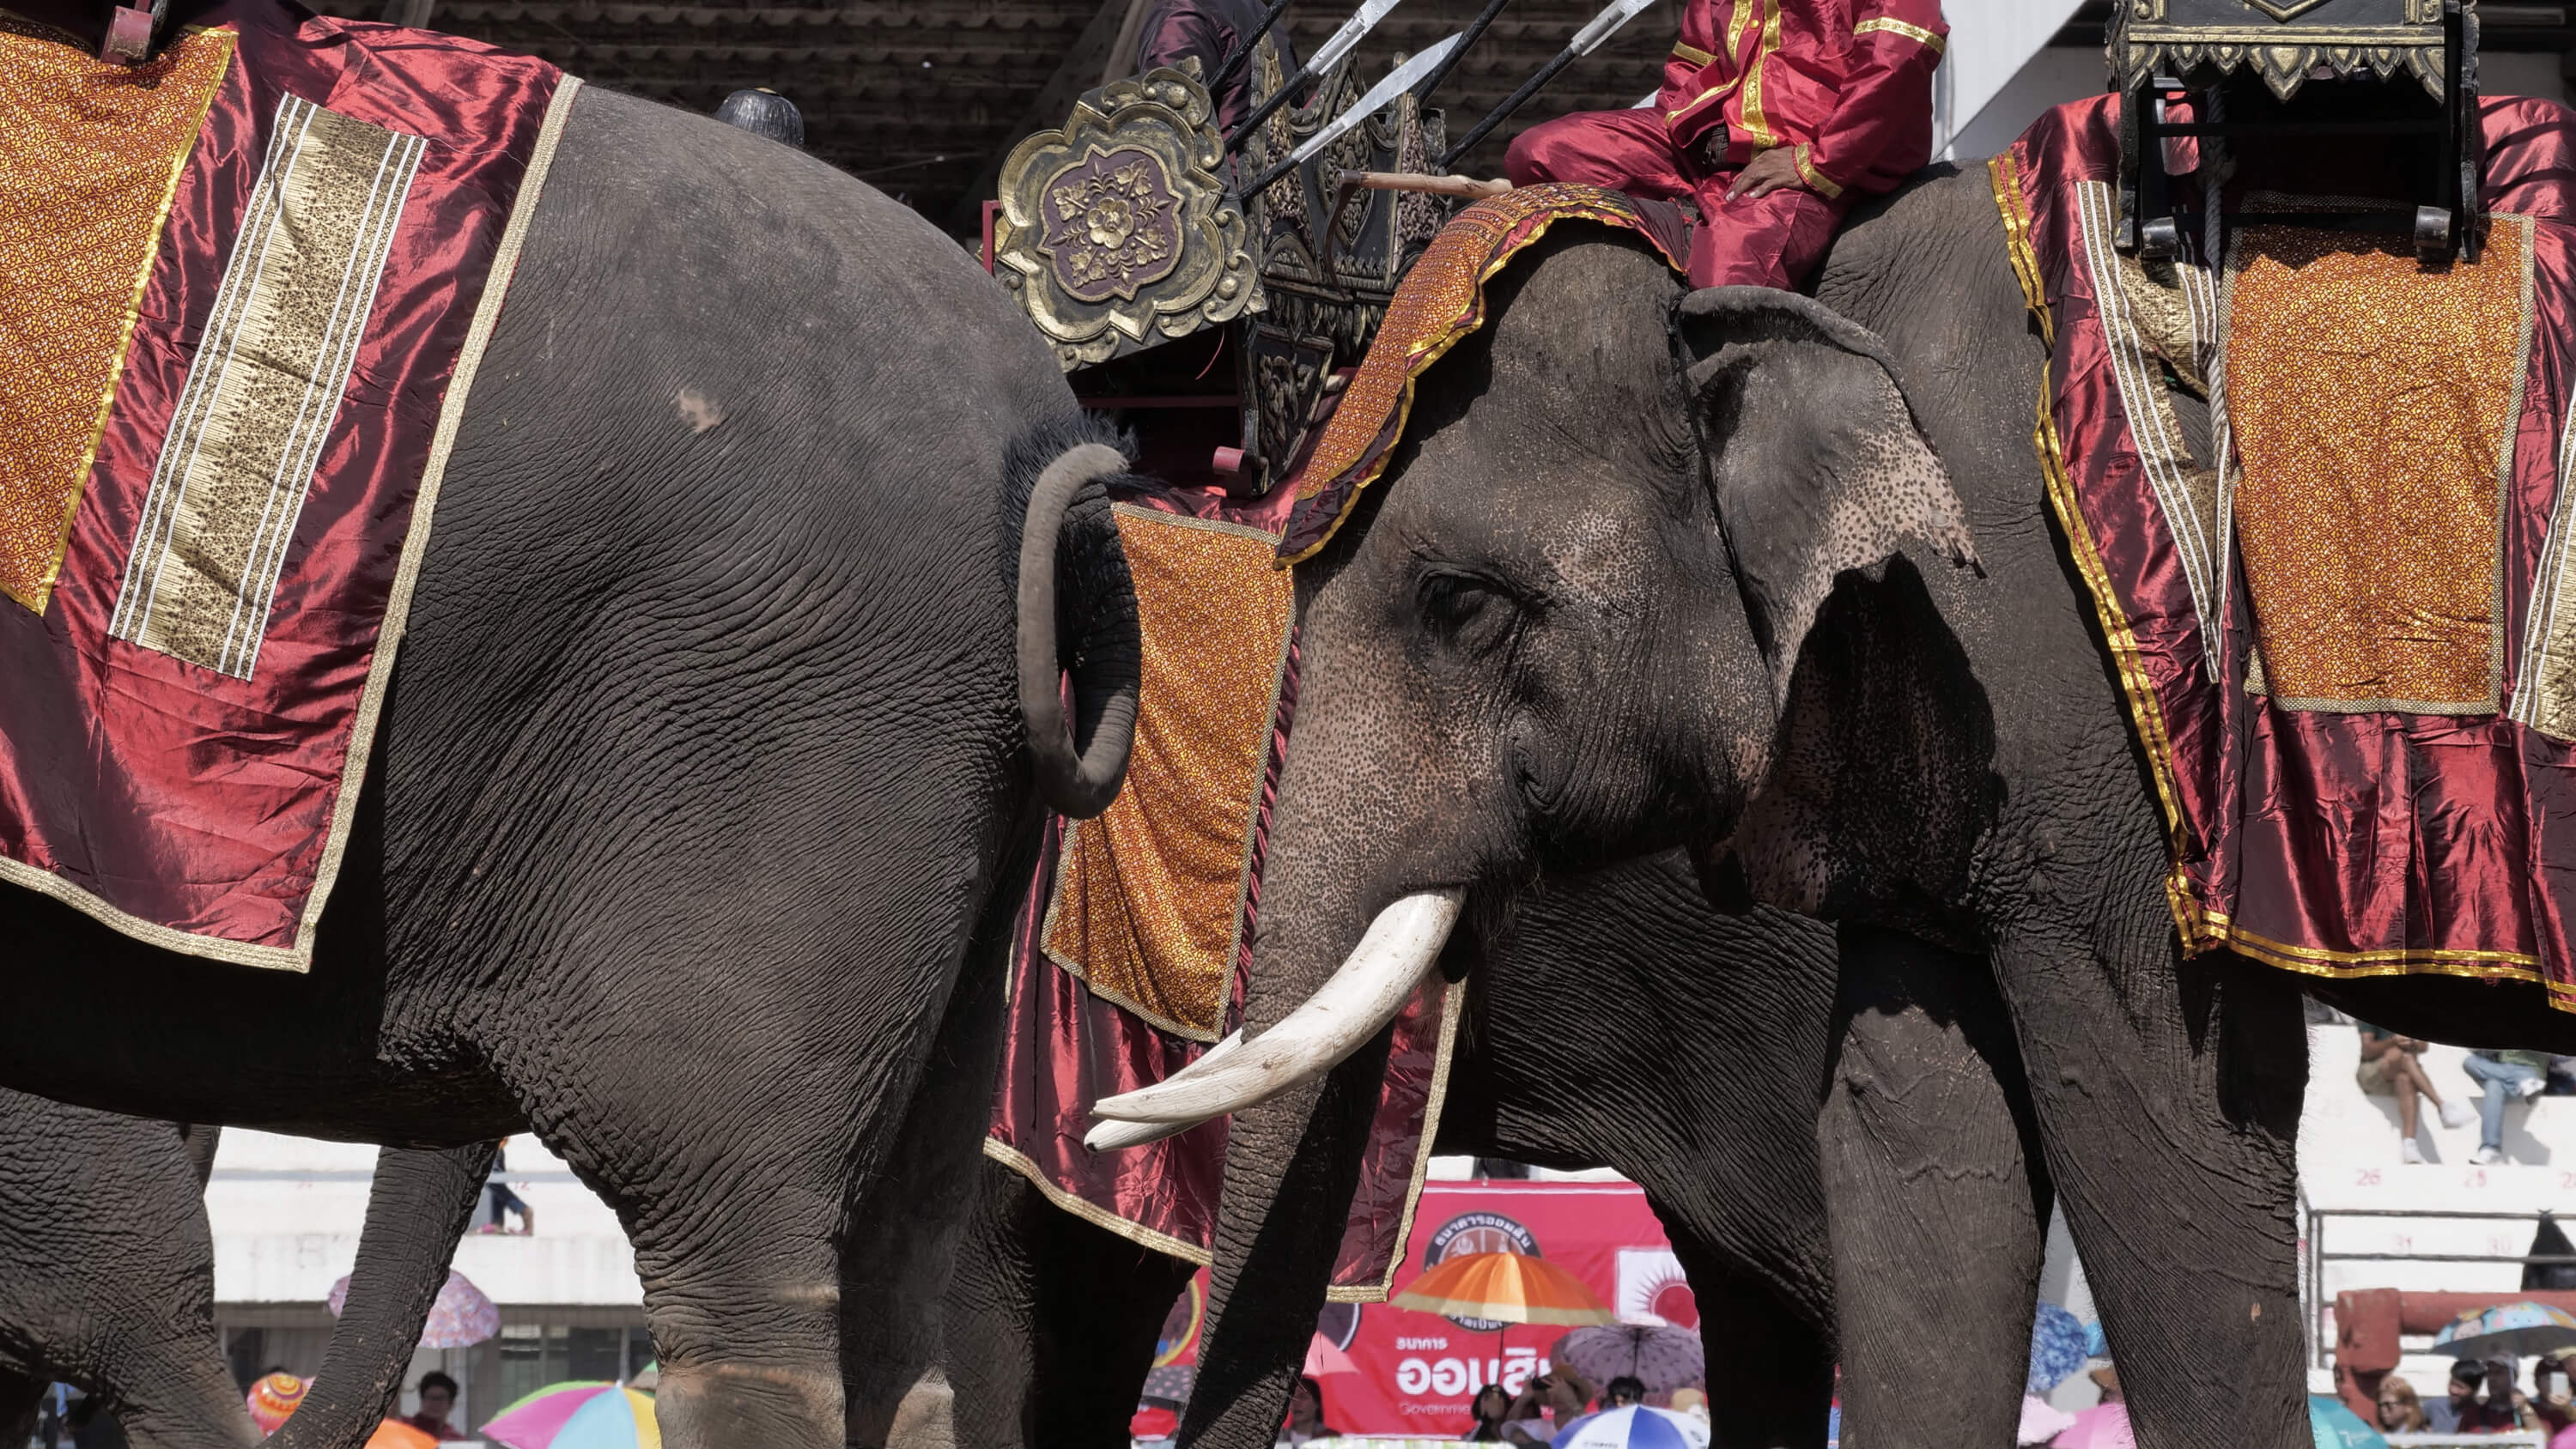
x=1890 y=25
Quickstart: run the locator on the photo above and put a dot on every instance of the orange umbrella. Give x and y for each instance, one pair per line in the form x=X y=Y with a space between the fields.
x=395 y=1434
x=1504 y=1288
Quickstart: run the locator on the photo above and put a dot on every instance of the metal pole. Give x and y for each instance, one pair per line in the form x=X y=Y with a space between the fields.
x=1501 y=113
x=1475 y=30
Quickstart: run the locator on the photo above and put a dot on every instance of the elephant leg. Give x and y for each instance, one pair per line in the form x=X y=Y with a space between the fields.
x=899 y=1253
x=2168 y=1096
x=1051 y=1322
x=1937 y=1227
x=1770 y=1365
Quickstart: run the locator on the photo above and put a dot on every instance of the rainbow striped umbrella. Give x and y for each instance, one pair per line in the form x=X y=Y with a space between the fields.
x=578 y=1416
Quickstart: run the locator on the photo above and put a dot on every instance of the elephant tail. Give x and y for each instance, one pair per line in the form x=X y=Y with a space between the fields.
x=1068 y=537
x=416 y=1211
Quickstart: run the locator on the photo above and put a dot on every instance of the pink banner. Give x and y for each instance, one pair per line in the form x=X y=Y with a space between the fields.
x=1416 y=1372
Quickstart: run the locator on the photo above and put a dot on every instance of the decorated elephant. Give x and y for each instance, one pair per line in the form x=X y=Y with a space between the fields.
x=107 y=1279
x=729 y=695
x=1777 y=580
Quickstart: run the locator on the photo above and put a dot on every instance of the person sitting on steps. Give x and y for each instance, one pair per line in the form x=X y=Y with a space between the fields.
x=2393 y=1065
x=2505 y=1077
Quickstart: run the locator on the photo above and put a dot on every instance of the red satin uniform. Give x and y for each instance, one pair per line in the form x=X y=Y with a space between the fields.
x=1846 y=84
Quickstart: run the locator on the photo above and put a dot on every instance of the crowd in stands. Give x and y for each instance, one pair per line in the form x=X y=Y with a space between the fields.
x=2483 y=1399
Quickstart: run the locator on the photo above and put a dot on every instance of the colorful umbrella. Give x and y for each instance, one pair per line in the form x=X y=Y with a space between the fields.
x=1504 y=1288
x=1633 y=1426
x=2336 y=1427
x=395 y=1434
x=1170 y=1384
x=2104 y=1426
x=274 y=1399
x=1323 y=1357
x=577 y=1416
x=2041 y=1421
x=461 y=1318
x=2517 y=1328
x=1661 y=1357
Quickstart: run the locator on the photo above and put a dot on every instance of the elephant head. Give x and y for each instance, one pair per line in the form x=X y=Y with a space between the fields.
x=1586 y=613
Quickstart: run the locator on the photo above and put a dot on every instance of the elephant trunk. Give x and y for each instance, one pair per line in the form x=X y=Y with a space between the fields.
x=1076 y=779
x=1361 y=998
x=416 y=1211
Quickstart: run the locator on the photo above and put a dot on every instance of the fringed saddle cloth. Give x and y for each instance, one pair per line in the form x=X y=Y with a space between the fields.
x=243 y=290
x=1130 y=955
x=2343 y=618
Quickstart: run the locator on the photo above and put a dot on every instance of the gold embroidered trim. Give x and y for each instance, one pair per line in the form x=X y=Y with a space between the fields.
x=1716 y=92
x=1890 y=25
x=2188 y=496
x=2005 y=179
x=1757 y=126
x=1452 y=999
x=1091 y=1212
x=265 y=388
x=1692 y=53
x=1816 y=180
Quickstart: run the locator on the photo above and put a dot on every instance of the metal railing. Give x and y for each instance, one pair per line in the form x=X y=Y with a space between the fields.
x=2318 y=1256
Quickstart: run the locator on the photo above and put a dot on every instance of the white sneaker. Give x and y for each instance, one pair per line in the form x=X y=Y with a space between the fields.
x=2407 y=1151
x=2488 y=1157
x=2530 y=1087
x=2456 y=1115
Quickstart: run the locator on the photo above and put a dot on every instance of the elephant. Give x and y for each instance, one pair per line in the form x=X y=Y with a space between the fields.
x=1699 y=1083
x=1773 y=579
x=107 y=1279
x=730 y=697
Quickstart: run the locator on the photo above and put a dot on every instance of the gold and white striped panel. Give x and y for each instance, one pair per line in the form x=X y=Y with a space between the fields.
x=264 y=388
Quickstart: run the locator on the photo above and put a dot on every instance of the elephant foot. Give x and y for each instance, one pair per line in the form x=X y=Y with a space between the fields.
x=748 y=1406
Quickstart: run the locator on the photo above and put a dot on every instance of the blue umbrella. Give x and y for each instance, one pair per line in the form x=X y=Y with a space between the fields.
x=2057 y=1348
x=2516 y=1328
x=2336 y=1427
x=1633 y=1426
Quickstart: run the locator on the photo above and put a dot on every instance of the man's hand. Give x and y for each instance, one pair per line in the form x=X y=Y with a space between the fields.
x=1769 y=171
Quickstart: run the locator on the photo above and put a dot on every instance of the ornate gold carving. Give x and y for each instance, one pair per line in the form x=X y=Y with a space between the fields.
x=2282 y=57
x=1116 y=232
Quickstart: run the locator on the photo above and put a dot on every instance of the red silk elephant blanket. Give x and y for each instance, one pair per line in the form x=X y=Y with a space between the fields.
x=243 y=290
x=2346 y=638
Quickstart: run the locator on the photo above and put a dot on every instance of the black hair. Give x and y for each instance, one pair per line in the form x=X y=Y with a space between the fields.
x=436 y=1380
x=1630 y=1385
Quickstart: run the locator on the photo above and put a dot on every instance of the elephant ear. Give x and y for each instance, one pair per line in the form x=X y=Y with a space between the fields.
x=1871 y=786
x=1816 y=463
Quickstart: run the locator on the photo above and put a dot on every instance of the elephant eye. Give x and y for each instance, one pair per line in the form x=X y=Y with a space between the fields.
x=1466 y=610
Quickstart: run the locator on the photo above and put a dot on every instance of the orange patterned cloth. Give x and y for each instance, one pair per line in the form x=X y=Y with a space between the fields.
x=90 y=154
x=1440 y=303
x=1148 y=905
x=2374 y=402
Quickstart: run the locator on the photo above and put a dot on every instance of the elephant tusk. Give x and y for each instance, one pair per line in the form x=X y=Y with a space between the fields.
x=1400 y=947
x=1114 y=1136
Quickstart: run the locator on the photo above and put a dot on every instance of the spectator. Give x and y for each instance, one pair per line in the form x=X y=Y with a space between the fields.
x=92 y=1427
x=1546 y=1404
x=2107 y=1379
x=2550 y=1406
x=1489 y=1407
x=437 y=1401
x=2400 y=1412
x=2461 y=1412
x=1623 y=1391
x=2393 y=1066
x=503 y=1198
x=1305 y=1414
x=2562 y=1077
x=2505 y=1077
